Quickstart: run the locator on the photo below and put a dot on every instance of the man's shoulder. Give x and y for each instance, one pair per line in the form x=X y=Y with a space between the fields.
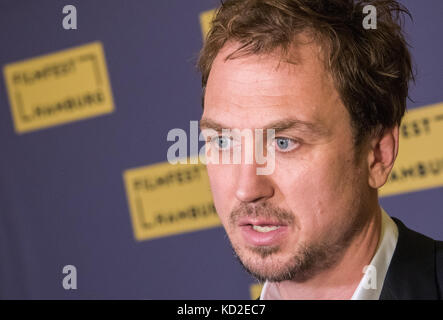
x=439 y=265
x=416 y=268
x=416 y=239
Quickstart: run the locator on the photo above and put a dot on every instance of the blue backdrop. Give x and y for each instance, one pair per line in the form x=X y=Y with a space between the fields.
x=62 y=198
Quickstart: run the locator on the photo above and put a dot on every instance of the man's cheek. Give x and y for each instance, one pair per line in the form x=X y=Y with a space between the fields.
x=221 y=194
x=214 y=175
x=301 y=182
x=310 y=198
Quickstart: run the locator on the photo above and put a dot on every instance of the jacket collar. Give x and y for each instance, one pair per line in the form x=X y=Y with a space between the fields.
x=411 y=273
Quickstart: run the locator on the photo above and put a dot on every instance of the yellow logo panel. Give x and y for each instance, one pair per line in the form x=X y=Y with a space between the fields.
x=58 y=88
x=255 y=290
x=419 y=164
x=166 y=199
x=205 y=21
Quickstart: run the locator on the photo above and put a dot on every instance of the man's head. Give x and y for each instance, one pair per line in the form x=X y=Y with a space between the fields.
x=335 y=94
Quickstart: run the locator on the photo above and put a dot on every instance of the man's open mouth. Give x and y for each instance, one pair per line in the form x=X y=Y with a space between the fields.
x=262 y=232
x=265 y=228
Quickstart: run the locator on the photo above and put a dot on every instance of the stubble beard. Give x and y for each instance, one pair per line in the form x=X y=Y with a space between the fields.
x=304 y=262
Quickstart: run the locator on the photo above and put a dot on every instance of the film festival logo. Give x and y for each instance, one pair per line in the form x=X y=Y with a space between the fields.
x=224 y=146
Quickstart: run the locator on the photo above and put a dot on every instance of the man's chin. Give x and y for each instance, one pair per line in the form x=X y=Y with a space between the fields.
x=267 y=270
x=262 y=252
x=264 y=263
x=277 y=263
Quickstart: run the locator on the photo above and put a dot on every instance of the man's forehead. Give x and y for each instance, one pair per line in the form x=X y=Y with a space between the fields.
x=304 y=45
x=257 y=91
x=244 y=69
x=263 y=80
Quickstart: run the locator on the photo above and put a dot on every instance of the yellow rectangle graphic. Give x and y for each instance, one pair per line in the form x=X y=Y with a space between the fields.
x=58 y=88
x=419 y=164
x=205 y=21
x=255 y=290
x=166 y=199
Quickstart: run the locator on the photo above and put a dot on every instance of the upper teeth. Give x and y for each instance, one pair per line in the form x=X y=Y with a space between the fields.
x=265 y=229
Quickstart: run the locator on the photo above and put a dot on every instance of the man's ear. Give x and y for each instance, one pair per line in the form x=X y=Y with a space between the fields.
x=382 y=154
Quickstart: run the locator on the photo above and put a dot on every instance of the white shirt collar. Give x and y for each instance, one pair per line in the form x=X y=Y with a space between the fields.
x=380 y=262
x=378 y=267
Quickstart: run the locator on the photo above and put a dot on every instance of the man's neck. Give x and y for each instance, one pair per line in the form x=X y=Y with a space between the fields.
x=340 y=281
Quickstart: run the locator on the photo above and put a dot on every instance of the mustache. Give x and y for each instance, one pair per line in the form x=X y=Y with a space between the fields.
x=261 y=210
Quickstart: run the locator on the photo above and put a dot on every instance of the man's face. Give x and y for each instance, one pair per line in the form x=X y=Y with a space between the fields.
x=296 y=221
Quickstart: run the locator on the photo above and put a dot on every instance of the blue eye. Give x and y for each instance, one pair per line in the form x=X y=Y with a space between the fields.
x=221 y=142
x=282 y=143
x=285 y=144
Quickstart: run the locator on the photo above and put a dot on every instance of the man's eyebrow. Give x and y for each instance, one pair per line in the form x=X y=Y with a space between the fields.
x=206 y=123
x=278 y=126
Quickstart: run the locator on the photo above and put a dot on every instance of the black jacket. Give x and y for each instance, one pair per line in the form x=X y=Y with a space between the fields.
x=416 y=268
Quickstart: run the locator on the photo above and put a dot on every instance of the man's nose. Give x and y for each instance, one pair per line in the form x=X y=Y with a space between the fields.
x=250 y=186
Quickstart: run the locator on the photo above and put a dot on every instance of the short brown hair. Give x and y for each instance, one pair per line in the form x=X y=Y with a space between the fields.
x=371 y=68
